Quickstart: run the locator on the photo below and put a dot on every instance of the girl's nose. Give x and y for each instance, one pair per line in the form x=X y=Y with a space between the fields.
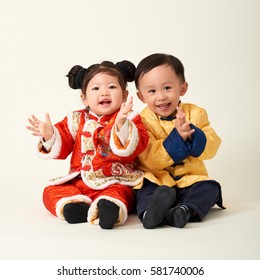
x=105 y=93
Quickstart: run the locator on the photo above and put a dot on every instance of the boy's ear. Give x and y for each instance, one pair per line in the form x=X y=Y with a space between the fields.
x=140 y=96
x=184 y=88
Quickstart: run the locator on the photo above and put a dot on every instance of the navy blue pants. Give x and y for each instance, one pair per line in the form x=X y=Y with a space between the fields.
x=199 y=197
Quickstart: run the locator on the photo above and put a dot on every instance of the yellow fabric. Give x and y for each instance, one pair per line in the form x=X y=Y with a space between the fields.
x=156 y=162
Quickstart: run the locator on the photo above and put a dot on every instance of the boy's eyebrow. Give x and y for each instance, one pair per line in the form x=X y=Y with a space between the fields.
x=166 y=82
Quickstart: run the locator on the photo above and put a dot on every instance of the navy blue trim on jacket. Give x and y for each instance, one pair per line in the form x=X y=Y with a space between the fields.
x=180 y=150
x=198 y=143
x=175 y=146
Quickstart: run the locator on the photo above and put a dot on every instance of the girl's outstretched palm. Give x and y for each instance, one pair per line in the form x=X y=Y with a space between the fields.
x=41 y=128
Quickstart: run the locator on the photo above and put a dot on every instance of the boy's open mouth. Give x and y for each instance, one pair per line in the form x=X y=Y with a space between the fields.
x=163 y=106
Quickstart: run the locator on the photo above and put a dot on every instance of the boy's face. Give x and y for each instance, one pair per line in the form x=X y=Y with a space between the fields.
x=161 y=89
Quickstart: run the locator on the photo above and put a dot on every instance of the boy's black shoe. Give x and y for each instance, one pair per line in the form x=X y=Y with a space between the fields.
x=178 y=216
x=161 y=200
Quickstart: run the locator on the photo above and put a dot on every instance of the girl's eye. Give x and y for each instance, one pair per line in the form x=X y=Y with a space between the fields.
x=95 y=88
x=112 y=87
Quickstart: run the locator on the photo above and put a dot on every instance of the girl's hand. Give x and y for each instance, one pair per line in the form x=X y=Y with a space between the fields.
x=125 y=109
x=182 y=126
x=40 y=128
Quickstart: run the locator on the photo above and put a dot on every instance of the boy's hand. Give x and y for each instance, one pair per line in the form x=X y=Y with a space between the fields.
x=40 y=128
x=182 y=126
x=125 y=109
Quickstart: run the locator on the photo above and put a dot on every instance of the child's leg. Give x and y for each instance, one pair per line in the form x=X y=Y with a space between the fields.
x=143 y=197
x=161 y=201
x=75 y=213
x=153 y=201
x=108 y=213
x=194 y=203
x=111 y=206
x=67 y=201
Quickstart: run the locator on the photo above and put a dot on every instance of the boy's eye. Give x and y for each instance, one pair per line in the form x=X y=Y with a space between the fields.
x=151 y=90
x=167 y=88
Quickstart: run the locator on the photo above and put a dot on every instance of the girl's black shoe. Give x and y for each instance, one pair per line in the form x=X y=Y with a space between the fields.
x=108 y=213
x=76 y=212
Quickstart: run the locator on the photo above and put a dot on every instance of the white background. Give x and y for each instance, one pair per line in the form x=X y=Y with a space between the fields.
x=218 y=43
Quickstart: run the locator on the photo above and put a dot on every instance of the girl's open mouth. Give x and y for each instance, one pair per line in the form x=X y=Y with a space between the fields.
x=105 y=102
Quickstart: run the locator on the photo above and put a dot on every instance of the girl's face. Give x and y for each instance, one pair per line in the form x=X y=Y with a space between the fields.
x=161 y=89
x=104 y=94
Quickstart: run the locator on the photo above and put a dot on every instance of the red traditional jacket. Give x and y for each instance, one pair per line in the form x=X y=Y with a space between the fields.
x=96 y=151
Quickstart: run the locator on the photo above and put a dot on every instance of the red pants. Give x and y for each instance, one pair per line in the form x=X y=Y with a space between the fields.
x=55 y=197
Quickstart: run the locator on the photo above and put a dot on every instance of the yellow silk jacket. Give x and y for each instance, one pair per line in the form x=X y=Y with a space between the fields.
x=168 y=160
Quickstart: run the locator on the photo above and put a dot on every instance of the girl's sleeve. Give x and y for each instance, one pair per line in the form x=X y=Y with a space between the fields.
x=62 y=145
x=136 y=141
x=123 y=133
x=47 y=145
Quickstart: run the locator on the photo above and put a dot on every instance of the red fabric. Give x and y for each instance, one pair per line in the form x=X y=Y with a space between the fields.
x=52 y=194
x=89 y=146
x=105 y=156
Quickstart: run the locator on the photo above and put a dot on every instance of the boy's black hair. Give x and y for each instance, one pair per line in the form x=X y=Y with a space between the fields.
x=158 y=59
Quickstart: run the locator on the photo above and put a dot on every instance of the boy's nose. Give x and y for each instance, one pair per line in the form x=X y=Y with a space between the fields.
x=161 y=95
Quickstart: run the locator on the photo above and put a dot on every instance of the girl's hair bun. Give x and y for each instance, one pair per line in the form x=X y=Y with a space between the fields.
x=127 y=68
x=76 y=76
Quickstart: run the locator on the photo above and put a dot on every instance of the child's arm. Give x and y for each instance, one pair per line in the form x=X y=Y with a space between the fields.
x=183 y=127
x=134 y=138
x=121 y=123
x=155 y=156
x=56 y=140
x=199 y=138
x=125 y=109
x=164 y=152
x=213 y=141
x=41 y=128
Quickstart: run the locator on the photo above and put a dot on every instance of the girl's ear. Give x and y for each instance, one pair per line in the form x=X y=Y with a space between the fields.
x=184 y=88
x=84 y=100
x=140 y=96
x=125 y=95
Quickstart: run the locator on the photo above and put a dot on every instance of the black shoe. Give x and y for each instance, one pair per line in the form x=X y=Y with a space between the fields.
x=108 y=213
x=178 y=216
x=76 y=212
x=161 y=200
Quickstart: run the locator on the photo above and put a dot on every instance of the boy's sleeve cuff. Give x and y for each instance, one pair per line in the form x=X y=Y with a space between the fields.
x=197 y=145
x=175 y=146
